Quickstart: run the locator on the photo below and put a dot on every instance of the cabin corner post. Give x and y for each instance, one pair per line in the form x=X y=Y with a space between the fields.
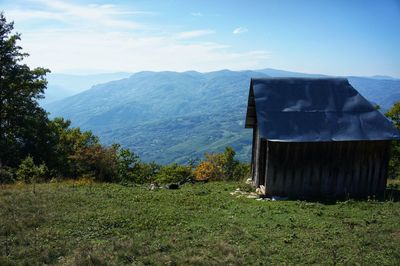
x=262 y=162
x=266 y=167
x=257 y=149
x=253 y=159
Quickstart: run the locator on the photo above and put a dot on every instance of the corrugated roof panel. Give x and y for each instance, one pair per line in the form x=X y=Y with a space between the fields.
x=309 y=109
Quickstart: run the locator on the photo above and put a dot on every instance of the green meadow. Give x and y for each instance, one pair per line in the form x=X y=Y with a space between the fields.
x=83 y=223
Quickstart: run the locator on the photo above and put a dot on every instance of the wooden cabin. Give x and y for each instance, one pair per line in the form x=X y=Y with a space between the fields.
x=317 y=138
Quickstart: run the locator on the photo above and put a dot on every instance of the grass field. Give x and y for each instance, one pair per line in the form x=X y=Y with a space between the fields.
x=110 y=224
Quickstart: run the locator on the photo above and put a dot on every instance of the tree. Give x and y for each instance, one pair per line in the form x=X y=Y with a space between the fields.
x=23 y=123
x=229 y=162
x=69 y=146
x=26 y=131
x=99 y=162
x=28 y=172
x=394 y=114
x=127 y=163
x=394 y=163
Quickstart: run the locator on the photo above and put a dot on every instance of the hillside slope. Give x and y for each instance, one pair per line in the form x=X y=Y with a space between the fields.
x=170 y=116
x=61 y=86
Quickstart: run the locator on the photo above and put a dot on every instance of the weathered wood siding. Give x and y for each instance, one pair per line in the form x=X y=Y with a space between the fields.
x=263 y=161
x=253 y=154
x=256 y=155
x=258 y=158
x=322 y=169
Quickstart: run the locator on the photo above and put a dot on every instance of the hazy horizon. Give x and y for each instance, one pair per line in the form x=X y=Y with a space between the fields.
x=94 y=73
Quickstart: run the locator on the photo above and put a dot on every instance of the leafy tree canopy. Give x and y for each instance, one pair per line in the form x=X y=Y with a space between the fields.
x=394 y=163
x=394 y=114
x=23 y=123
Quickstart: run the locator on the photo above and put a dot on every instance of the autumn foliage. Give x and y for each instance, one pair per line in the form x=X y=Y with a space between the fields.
x=221 y=166
x=207 y=171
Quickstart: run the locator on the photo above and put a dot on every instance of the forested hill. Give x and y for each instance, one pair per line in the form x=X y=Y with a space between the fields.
x=64 y=85
x=170 y=116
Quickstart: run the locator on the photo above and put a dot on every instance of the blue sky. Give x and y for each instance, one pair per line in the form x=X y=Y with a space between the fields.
x=314 y=36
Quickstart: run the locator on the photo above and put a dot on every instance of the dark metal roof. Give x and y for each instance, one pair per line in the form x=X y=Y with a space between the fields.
x=314 y=109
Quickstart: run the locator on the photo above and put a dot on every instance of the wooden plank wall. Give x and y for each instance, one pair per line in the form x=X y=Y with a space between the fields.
x=256 y=155
x=253 y=154
x=262 y=163
x=326 y=169
x=258 y=158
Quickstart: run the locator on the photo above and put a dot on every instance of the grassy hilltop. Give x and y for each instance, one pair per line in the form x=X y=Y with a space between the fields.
x=74 y=223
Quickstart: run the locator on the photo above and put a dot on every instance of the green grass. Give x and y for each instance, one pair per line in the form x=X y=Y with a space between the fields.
x=199 y=224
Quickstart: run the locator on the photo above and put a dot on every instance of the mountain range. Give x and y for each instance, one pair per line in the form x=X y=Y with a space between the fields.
x=176 y=116
x=63 y=85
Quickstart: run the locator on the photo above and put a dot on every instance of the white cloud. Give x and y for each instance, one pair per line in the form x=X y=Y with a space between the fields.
x=83 y=15
x=194 y=34
x=23 y=15
x=196 y=14
x=69 y=50
x=99 y=38
x=240 y=30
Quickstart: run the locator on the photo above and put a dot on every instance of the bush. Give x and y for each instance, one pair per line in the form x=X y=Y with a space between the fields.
x=28 y=172
x=7 y=175
x=144 y=173
x=173 y=173
x=106 y=164
x=208 y=170
x=241 y=171
x=221 y=166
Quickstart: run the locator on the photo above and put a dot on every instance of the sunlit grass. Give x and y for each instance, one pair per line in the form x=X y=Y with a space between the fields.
x=80 y=222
